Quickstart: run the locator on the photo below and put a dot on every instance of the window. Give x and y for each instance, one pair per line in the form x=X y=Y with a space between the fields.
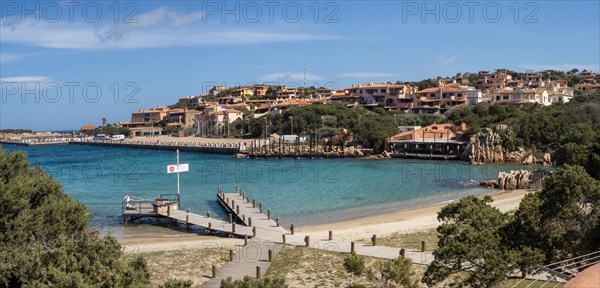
x=432 y=95
x=382 y=90
x=505 y=97
x=497 y=98
x=460 y=95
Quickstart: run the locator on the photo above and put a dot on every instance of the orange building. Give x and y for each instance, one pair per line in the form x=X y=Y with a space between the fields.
x=432 y=132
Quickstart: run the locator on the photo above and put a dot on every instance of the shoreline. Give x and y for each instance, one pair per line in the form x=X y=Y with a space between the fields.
x=394 y=222
x=404 y=221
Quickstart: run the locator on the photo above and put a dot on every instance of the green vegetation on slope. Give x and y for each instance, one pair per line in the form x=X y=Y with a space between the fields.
x=570 y=131
x=45 y=241
x=559 y=222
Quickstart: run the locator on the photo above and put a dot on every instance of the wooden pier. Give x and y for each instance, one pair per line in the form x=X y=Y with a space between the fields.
x=263 y=234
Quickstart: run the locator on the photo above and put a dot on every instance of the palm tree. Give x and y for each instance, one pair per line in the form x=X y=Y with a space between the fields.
x=103 y=121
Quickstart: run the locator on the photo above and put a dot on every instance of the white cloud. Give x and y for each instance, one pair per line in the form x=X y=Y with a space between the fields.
x=367 y=75
x=158 y=28
x=287 y=76
x=160 y=17
x=448 y=60
x=28 y=79
x=561 y=67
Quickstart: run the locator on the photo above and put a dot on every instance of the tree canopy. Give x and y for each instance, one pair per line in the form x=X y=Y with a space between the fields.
x=45 y=240
x=477 y=240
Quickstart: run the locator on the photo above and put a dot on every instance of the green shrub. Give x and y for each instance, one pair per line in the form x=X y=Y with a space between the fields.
x=354 y=264
x=250 y=282
x=177 y=283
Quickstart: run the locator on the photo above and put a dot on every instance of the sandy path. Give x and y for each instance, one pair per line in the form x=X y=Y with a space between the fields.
x=153 y=244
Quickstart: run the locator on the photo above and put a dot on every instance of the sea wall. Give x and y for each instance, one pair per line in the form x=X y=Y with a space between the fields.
x=484 y=147
x=204 y=149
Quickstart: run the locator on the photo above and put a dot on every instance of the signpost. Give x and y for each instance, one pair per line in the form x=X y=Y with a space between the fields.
x=178 y=168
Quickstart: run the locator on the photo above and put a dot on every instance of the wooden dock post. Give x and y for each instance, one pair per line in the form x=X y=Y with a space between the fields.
x=260 y=206
x=247 y=199
x=232 y=203
x=214 y=271
x=168 y=210
x=270 y=255
x=233 y=228
x=307 y=240
x=374 y=240
x=245 y=240
x=269 y=214
x=283 y=236
x=253 y=203
x=292 y=229
x=209 y=227
x=423 y=246
x=124 y=220
x=237 y=210
x=277 y=221
x=402 y=253
x=244 y=218
x=352 y=250
x=330 y=235
x=253 y=231
x=207 y=214
x=230 y=255
x=257 y=272
x=187 y=221
x=249 y=221
x=230 y=218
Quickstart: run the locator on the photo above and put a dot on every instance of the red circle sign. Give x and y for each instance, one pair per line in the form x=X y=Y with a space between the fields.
x=171 y=168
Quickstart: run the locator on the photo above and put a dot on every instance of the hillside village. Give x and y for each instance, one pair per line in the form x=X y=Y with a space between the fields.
x=221 y=106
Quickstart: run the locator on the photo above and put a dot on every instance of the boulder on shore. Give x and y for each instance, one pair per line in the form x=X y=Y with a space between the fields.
x=521 y=179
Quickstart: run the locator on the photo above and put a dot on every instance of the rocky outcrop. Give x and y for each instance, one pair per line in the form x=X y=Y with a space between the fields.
x=521 y=179
x=484 y=147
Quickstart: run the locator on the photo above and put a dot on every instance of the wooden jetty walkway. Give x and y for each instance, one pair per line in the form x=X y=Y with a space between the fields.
x=263 y=235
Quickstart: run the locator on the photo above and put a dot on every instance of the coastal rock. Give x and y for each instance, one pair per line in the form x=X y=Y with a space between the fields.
x=489 y=184
x=521 y=179
x=513 y=180
x=484 y=147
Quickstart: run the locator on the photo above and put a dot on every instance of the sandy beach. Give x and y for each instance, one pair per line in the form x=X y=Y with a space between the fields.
x=407 y=221
x=186 y=255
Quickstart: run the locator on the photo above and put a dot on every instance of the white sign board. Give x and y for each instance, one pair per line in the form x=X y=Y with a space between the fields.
x=174 y=168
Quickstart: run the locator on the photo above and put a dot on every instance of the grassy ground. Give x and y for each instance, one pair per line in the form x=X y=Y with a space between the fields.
x=411 y=240
x=305 y=267
x=192 y=264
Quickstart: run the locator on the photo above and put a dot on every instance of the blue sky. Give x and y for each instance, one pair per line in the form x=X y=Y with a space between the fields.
x=65 y=64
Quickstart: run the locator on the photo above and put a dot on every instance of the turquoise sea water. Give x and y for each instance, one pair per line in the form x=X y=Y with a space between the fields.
x=303 y=192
